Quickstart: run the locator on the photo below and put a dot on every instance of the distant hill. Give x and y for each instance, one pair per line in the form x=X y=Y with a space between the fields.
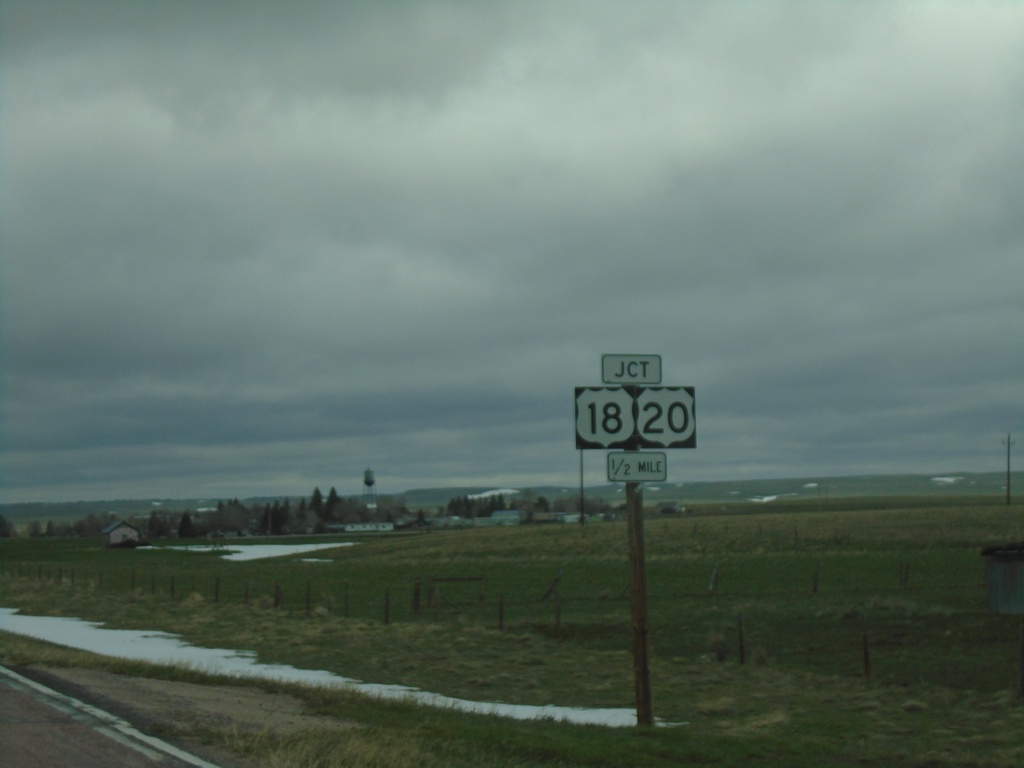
x=768 y=491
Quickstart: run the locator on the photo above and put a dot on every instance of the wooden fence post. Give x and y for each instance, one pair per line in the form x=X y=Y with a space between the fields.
x=387 y=606
x=278 y=595
x=713 y=582
x=743 y=651
x=867 y=650
x=417 y=588
x=1021 y=659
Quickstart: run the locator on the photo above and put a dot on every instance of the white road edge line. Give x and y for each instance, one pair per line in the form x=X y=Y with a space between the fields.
x=115 y=728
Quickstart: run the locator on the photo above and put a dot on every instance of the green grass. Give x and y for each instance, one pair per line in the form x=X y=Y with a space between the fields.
x=943 y=688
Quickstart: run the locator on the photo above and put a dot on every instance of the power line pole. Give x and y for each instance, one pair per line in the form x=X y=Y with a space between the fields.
x=1008 y=442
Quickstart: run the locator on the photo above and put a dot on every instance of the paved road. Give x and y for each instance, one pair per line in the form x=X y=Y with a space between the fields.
x=41 y=728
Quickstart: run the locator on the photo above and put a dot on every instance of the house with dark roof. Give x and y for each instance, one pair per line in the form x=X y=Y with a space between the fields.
x=120 y=534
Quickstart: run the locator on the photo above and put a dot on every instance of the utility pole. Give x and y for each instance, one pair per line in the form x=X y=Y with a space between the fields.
x=1008 y=442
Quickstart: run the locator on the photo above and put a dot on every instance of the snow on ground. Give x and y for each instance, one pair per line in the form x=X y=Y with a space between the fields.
x=766 y=499
x=254 y=551
x=489 y=494
x=165 y=648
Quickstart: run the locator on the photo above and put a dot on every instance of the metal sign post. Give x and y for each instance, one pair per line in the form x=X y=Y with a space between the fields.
x=629 y=417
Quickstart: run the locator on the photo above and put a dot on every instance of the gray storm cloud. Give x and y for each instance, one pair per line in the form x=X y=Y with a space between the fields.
x=250 y=249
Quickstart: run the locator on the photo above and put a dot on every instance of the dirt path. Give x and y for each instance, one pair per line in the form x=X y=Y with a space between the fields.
x=182 y=712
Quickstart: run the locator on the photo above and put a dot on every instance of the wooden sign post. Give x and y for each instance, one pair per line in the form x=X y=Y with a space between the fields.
x=638 y=603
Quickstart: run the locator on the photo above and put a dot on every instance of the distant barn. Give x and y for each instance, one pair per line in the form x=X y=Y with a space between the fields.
x=120 y=534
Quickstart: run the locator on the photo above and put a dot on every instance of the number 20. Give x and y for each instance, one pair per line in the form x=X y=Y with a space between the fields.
x=651 y=426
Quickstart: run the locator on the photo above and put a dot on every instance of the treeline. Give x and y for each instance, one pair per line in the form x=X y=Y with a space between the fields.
x=89 y=525
x=482 y=506
x=316 y=513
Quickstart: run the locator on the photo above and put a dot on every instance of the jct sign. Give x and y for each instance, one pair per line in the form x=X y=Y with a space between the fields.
x=631 y=417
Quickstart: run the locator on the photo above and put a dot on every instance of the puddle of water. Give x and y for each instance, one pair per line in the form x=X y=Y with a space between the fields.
x=253 y=551
x=164 y=648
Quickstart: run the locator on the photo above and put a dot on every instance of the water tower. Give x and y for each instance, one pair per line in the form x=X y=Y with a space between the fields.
x=369 y=490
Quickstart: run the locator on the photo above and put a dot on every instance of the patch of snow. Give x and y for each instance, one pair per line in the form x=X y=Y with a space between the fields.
x=164 y=648
x=489 y=494
x=766 y=499
x=946 y=480
x=254 y=551
x=810 y=485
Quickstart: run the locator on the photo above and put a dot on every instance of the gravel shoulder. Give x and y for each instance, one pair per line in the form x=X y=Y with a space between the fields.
x=186 y=713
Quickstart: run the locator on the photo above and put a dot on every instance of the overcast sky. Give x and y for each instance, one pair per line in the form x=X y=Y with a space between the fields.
x=249 y=248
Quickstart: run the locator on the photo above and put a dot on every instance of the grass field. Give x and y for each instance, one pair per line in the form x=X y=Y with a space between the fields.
x=944 y=672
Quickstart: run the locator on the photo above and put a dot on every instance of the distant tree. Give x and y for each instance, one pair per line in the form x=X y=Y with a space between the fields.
x=302 y=516
x=35 y=529
x=6 y=529
x=90 y=525
x=316 y=503
x=331 y=505
x=50 y=531
x=286 y=516
x=460 y=506
x=158 y=525
x=280 y=516
x=542 y=504
x=186 y=530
